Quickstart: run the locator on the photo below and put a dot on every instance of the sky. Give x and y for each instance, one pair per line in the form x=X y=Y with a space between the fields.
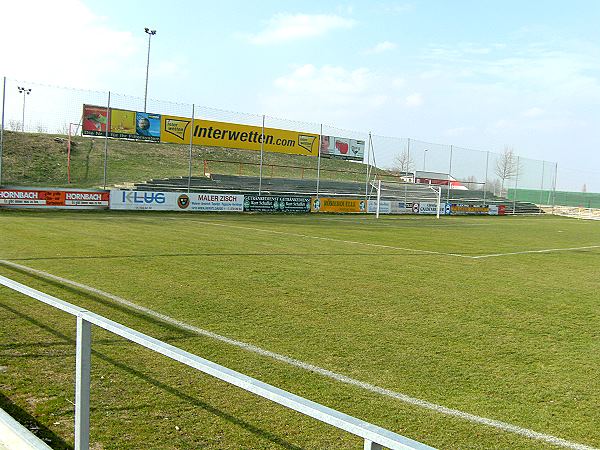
x=476 y=74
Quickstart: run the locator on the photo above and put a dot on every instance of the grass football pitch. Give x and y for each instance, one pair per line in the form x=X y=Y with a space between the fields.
x=426 y=327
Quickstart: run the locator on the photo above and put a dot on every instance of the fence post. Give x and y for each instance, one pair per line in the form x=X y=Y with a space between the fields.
x=82 y=384
x=368 y=168
x=2 y=127
x=191 y=143
x=542 y=186
x=516 y=186
x=369 y=445
x=487 y=164
x=318 y=161
x=449 y=175
x=106 y=139
x=262 y=149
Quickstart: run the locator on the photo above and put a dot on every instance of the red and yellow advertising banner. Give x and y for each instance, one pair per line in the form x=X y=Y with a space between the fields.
x=55 y=198
x=95 y=120
x=337 y=205
x=232 y=135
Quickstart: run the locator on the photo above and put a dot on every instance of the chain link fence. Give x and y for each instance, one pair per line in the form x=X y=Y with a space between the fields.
x=43 y=145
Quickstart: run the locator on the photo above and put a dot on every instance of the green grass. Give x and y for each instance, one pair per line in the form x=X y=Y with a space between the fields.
x=512 y=338
x=37 y=159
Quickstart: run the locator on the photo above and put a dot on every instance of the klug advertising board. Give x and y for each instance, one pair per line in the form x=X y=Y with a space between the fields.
x=53 y=198
x=175 y=201
x=276 y=204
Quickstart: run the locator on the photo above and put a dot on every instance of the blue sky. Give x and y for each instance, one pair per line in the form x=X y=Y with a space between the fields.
x=476 y=74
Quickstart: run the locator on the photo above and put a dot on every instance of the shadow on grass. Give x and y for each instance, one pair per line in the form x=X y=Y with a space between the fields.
x=32 y=424
x=152 y=381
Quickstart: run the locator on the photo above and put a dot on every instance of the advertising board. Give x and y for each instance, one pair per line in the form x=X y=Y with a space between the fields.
x=121 y=123
x=430 y=208
x=463 y=210
x=177 y=130
x=175 y=201
x=277 y=204
x=337 y=205
x=385 y=207
x=343 y=148
x=54 y=198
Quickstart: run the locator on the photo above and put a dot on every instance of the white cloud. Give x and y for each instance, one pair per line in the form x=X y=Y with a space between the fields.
x=382 y=47
x=290 y=27
x=332 y=94
x=398 y=8
x=62 y=41
x=413 y=100
x=533 y=112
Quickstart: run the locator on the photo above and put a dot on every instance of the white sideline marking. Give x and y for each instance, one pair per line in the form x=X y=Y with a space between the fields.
x=431 y=252
x=504 y=426
x=286 y=233
x=548 y=250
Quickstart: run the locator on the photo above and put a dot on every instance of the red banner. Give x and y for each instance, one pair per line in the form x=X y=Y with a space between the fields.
x=42 y=198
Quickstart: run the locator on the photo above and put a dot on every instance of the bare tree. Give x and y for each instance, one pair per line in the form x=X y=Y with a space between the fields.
x=15 y=125
x=507 y=166
x=471 y=182
x=403 y=163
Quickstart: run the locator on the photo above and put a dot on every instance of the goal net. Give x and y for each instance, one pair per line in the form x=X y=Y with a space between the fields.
x=395 y=197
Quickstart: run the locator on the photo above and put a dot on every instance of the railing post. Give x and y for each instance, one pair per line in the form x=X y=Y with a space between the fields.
x=82 y=384
x=372 y=445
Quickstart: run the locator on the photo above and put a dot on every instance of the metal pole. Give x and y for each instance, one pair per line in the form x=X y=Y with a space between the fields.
x=407 y=170
x=369 y=445
x=554 y=186
x=439 y=202
x=516 y=184
x=190 y=158
x=449 y=175
x=487 y=161
x=378 y=198
x=83 y=358
x=542 y=186
x=368 y=168
x=262 y=149
x=2 y=127
x=106 y=139
x=23 y=119
x=319 y=160
x=150 y=34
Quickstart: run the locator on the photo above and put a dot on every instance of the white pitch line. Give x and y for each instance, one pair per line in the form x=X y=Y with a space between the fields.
x=504 y=426
x=321 y=238
x=547 y=250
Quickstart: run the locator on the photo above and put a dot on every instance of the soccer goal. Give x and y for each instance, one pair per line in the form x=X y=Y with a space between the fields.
x=396 y=197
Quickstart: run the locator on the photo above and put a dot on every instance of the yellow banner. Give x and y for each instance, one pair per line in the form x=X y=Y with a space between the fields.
x=337 y=205
x=122 y=121
x=232 y=135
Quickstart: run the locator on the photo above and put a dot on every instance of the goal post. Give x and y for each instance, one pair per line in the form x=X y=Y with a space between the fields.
x=395 y=197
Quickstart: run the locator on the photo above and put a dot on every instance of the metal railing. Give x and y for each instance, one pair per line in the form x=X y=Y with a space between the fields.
x=375 y=438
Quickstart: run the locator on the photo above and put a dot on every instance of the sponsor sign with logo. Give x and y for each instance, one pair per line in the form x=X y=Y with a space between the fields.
x=461 y=210
x=385 y=207
x=175 y=201
x=121 y=123
x=95 y=120
x=497 y=210
x=343 y=148
x=338 y=205
x=430 y=208
x=232 y=135
x=53 y=198
x=276 y=204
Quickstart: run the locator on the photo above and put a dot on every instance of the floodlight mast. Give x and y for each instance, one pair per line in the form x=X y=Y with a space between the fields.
x=25 y=92
x=150 y=33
